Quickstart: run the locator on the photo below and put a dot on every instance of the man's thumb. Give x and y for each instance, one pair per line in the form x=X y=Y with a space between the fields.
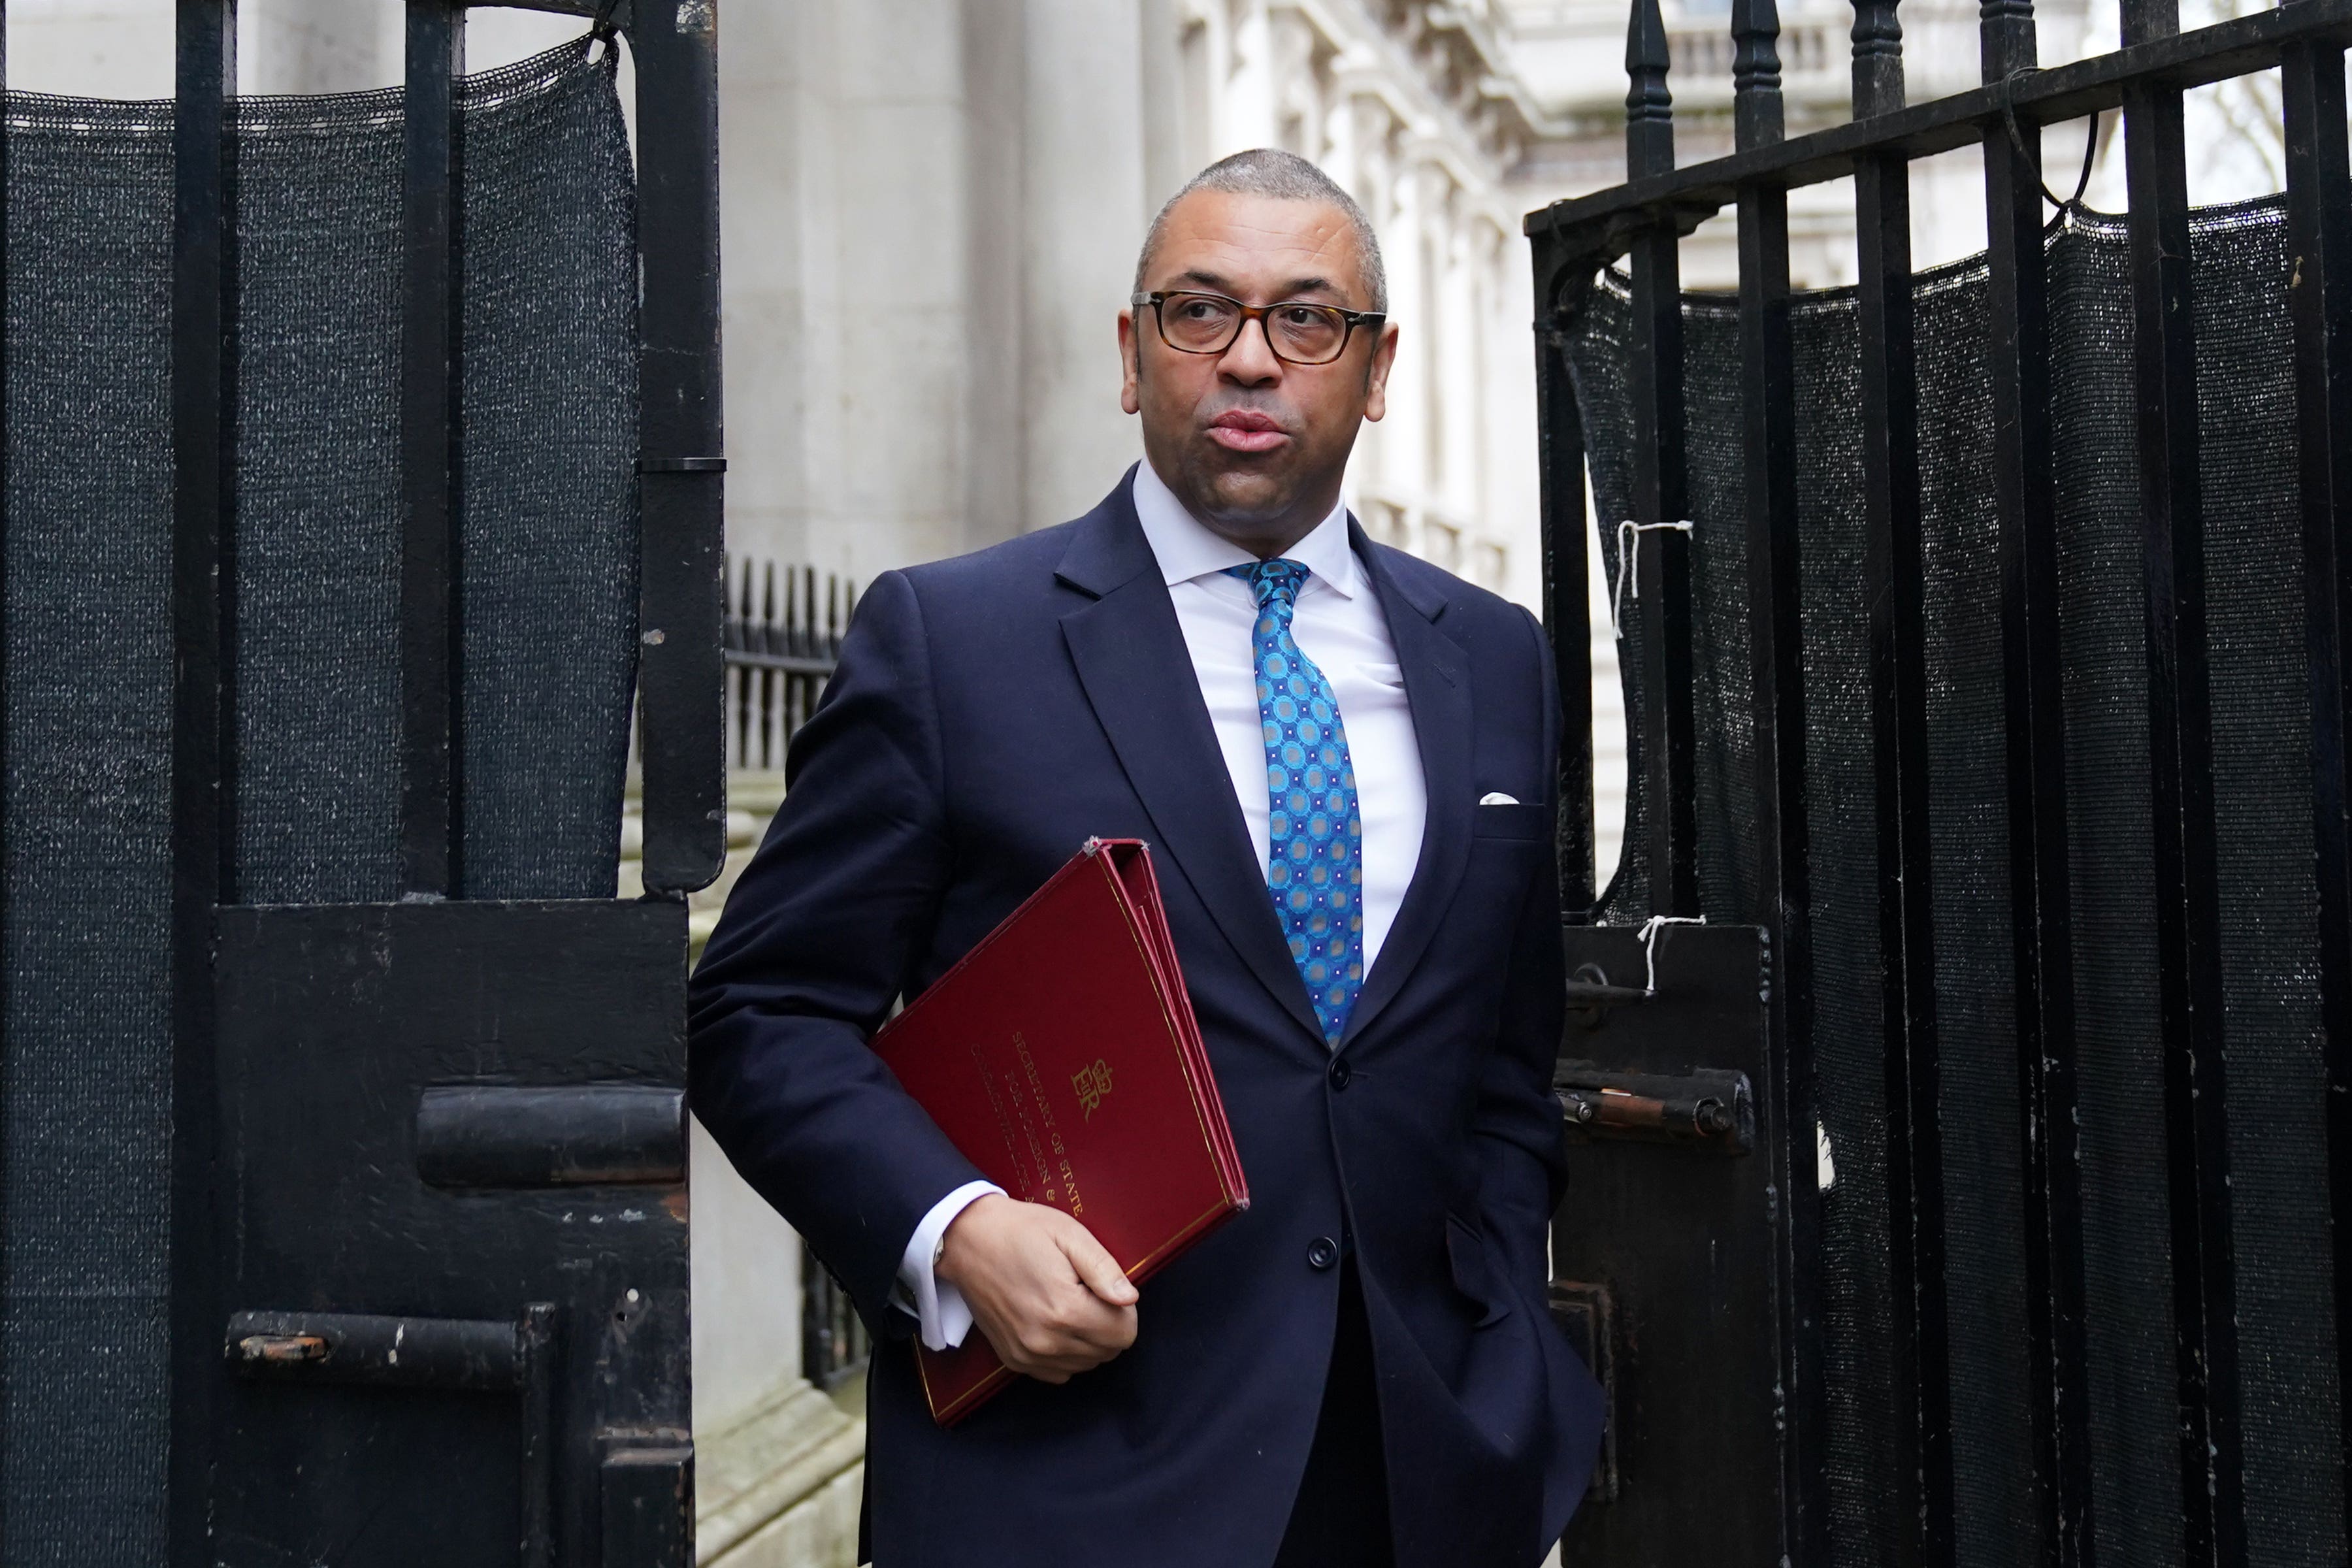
x=1096 y=1269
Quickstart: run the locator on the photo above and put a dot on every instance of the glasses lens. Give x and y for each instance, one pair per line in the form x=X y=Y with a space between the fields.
x=1307 y=334
x=1198 y=323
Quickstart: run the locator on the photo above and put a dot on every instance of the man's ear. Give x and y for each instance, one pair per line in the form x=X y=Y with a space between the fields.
x=1376 y=372
x=1130 y=373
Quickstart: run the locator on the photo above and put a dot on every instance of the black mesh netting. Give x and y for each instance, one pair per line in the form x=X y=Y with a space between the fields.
x=547 y=577
x=548 y=594
x=2269 y=919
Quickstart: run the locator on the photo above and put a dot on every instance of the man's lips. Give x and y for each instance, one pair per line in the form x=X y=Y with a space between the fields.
x=1244 y=431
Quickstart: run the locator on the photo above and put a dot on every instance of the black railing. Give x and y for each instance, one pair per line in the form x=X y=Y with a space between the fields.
x=783 y=632
x=834 y=1347
x=2027 y=576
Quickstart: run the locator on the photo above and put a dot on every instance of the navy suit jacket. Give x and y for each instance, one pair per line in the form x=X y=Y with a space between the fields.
x=989 y=714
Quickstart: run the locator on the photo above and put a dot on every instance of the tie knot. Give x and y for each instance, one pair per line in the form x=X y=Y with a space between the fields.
x=1274 y=582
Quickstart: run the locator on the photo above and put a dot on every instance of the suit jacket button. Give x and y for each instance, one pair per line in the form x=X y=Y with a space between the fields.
x=1340 y=1073
x=1322 y=1252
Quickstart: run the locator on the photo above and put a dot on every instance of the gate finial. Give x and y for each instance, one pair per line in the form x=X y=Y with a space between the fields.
x=2005 y=37
x=1649 y=106
x=1756 y=109
x=1877 y=59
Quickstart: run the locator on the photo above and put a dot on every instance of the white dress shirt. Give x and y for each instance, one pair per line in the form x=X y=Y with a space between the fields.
x=1338 y=624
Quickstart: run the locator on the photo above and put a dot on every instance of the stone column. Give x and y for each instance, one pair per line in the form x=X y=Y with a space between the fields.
x=775 y=204
x=1246 y=119
x=1359 y=128
x=1404 y=444
x=843 y=138
x=1084 y=212
x=1166 y=166
x=1294 y=98
x=1511 y=505
x=996 y=502
x=1460 y=387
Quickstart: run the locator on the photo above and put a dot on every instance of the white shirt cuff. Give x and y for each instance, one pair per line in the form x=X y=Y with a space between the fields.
x=939 y=1307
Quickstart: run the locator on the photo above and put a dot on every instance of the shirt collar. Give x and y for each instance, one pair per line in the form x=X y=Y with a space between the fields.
x=1186 y=548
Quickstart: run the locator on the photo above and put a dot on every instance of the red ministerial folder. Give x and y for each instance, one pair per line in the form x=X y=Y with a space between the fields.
x=1061 y=1056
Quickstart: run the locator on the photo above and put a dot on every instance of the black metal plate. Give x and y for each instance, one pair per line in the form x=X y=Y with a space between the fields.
x=1681 y=1238
x=333 y=1022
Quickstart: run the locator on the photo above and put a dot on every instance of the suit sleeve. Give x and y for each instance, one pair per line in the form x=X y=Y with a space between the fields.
x=1517 y=1122
x=820 y=937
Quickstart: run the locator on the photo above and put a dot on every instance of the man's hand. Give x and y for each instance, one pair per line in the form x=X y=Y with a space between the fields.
x=1050 y=1300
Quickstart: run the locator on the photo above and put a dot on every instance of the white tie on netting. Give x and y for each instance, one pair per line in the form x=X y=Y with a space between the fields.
x=1652 y=929
x=1629 y=567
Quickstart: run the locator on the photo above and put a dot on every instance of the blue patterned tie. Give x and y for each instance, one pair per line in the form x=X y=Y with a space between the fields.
x=1315 y=856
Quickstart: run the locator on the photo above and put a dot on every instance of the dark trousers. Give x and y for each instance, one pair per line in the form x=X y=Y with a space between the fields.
x=1341 y=1517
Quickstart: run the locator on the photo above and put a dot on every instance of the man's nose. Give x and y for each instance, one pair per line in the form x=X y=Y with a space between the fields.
x=1250 y=359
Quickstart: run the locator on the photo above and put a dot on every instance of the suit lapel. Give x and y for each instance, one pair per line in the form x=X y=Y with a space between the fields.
x=1136 y=672
x=1437 y=687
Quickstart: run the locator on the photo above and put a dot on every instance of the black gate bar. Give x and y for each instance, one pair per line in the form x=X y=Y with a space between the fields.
x=203 y=455
x=2188 y=885
x=2025 y=498
x=1784 y=864
x=681 y=671
x=431 y=671
x=2319 y=303
x=4 y=685
x=1661 y=560
x=1895 y=595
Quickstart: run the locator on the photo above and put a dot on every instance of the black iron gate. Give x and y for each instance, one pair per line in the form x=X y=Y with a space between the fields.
x=1984 y=646
x=377 y=440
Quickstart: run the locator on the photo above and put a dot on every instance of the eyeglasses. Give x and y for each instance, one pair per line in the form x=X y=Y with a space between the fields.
x=1298 y=332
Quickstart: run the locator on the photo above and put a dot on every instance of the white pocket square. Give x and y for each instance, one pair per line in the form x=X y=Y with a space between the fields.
x=1497 y=797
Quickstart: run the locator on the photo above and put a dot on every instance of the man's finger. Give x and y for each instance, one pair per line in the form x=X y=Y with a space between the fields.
x=1122 y=1332
x=1085 y=1324
x=1065 y=1356
x=1096 y=1269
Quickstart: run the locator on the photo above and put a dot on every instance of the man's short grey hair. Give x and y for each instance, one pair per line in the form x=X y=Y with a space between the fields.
x=1284 y=176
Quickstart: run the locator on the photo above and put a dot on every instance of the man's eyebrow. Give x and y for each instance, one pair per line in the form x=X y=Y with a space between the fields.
x=1197 y=279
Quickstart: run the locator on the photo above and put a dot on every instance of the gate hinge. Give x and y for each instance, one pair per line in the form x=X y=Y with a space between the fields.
x=1706 y=1108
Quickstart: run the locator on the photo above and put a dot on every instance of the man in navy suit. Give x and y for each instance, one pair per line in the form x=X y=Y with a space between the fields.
x=1344 y=759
